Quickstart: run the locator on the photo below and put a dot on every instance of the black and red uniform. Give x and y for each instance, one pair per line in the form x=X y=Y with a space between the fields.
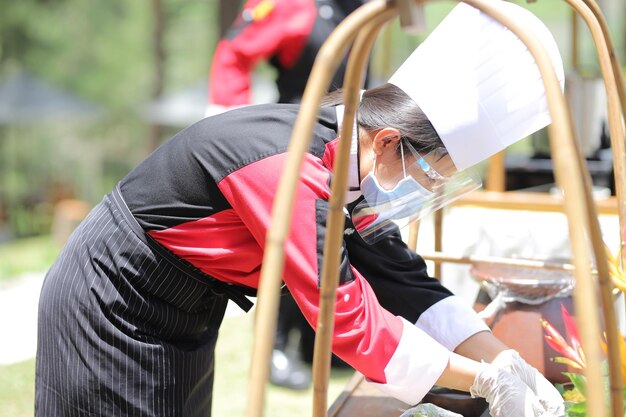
x=286 y=33
x=126 y=331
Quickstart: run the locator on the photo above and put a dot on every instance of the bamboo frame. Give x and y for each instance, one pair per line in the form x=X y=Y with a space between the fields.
x=523 y=200
x=616 y=100
x=582 y=219
x=439 y=256
x=579 y=206
x=326 y=64
x=594 y=18
x=616 y=97
x=617 y=69
x=335 y=226
x=591 y=13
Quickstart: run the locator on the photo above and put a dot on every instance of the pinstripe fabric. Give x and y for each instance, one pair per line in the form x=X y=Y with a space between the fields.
x=121 y=331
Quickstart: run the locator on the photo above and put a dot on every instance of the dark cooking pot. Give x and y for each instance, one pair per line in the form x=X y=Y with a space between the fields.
x=459 y=402
x=529 y=295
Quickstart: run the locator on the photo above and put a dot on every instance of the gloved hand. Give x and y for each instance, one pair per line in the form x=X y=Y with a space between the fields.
x=511 y=361
x=506 y=394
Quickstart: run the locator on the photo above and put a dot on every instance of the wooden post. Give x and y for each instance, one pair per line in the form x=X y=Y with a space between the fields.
x=496 y=173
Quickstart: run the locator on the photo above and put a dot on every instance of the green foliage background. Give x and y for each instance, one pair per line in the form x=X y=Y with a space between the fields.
x=103 y=52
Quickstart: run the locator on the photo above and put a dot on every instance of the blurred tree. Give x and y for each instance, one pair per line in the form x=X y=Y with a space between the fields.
x=228 y=10
x=103 y=50
x=116 y=53
x=16 y=26
x=159 y=22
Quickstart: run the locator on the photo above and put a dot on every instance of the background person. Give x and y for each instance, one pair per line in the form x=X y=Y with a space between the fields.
x=130 y=311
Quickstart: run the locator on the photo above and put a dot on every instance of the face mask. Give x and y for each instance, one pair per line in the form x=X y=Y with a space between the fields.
x=383 y=211
x=403 y=200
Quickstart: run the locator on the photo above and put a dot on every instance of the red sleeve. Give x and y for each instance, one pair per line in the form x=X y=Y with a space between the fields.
x=365 y=335
x=262 y=30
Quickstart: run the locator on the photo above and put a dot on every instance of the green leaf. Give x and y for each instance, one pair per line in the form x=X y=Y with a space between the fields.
x=575 y=409
x=579 y=381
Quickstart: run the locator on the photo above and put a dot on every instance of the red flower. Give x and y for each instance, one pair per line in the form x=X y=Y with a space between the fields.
x=572 y=353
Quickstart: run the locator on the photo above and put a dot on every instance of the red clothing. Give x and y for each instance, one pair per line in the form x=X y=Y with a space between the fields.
x=288 y=33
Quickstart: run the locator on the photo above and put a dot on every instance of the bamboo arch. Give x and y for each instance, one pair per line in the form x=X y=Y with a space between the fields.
x=326 y=64
x=614 y=84
x=353 y=82
x=570 y=175
x=616 y=103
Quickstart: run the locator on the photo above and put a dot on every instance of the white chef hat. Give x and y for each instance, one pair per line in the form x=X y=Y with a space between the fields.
x=477 y=82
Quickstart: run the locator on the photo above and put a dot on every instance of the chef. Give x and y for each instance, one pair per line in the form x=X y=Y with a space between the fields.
x=130 y=311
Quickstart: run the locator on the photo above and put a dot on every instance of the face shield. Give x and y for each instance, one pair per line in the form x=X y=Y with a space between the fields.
x=425 y=184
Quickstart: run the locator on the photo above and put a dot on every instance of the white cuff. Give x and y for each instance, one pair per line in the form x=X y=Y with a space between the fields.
x=415 y=366
x=450 y=322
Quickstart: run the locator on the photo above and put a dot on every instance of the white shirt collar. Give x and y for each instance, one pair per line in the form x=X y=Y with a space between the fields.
x=354 y=190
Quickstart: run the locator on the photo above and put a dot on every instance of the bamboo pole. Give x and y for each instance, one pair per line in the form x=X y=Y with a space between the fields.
x=617 y=68
x=353 y=81
x=497 y=260
x=574 y=48
x=567 y=173
x=438 y=225
x=608 y=60
x=616 y=127
x=495 y=180
x=414 y=229
x=326 y=64
x=617 y=145
x=527 y=201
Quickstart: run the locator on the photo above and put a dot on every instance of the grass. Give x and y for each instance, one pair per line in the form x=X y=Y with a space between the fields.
x=26 y=255
x=17 y=389
x=229 y=398
x=231 y=382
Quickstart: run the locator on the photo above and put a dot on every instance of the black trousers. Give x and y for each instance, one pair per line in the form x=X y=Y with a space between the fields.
x=121 y=331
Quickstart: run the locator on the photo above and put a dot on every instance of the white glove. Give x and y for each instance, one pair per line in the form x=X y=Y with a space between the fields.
x=506 y=394
x=511 y=361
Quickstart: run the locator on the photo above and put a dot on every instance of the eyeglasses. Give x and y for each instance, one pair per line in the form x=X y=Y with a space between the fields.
x=441 y=184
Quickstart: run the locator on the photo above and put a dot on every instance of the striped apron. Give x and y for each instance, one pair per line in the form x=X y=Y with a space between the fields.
x=122 y=331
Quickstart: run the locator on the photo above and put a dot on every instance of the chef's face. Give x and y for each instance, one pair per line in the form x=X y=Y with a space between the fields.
x=395 y=158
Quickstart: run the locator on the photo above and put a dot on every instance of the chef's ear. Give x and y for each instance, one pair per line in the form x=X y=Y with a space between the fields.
x=386 y=138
